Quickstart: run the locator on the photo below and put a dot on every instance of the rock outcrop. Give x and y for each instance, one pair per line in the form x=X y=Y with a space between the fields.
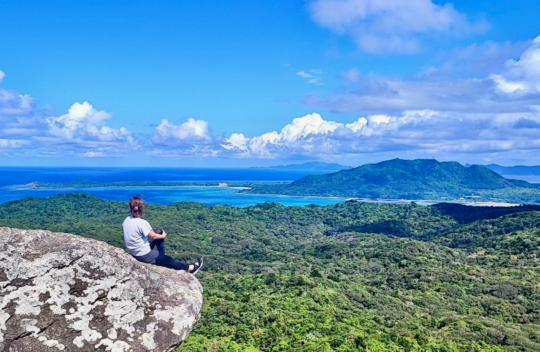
x=61 y=292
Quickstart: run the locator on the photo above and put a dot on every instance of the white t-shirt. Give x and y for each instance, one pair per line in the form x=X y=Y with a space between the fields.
x=136 y=232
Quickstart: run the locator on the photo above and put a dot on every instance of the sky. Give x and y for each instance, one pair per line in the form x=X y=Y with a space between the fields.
x=243 y=83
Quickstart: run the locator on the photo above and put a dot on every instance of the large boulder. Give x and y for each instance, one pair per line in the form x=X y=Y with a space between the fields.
x=61 y=292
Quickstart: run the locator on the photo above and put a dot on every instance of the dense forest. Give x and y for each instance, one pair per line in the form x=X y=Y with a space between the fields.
x=410 y=179
x=348 y=277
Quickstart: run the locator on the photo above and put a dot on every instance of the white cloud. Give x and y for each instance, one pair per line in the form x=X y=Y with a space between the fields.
x=292 y=135
x=12 y=143
x=523 y=75
x=380 y=26
x=491 y=113
x=236 y=141
x=413 y=132
x=81 y=128
x=18 y=116
x=191 y=131
x=475 y=60
x=352 y=75
x=187 y=151
x=92 y=154
x=85 y=125
x=14 y=105
x=313 y=77
x=514 y=88
x=311 y=124
x=84 y=131
x=308 y=134
x=304 y=74
x=2 y=75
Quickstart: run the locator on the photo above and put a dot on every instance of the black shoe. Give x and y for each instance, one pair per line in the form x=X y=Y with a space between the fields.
x=197 y=266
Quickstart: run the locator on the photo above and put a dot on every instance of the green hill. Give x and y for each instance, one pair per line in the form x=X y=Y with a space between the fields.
x=347 y=277
x=408 y=179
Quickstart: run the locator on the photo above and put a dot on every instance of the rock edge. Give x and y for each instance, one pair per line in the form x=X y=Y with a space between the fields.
x=62 y=292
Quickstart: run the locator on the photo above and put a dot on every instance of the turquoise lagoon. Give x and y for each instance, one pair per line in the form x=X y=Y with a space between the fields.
x=16 y=183
x=167 y=195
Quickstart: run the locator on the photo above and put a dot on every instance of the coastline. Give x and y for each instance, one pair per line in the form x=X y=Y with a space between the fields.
x=47 y=188
x=423 y=202
x=238 y=188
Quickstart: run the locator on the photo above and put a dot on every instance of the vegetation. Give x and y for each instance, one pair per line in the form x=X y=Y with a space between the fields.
x=348 y=277
x=410 y=179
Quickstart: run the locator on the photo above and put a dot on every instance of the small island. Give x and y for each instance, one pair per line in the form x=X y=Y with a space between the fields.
x=413 y=180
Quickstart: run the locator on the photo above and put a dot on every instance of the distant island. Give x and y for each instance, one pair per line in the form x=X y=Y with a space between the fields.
x=520 y=172
x=84 y=183
x=311 y=166
x=411 y=179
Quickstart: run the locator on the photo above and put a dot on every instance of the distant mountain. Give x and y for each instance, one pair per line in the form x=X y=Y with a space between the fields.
x=515 y=170
x=312 y=166
x=408 y=179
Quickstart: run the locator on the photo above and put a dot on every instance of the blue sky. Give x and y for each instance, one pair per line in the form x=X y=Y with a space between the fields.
x=252 y=83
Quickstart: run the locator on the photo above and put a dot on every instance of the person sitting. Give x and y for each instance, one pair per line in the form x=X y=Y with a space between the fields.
x=148 y=245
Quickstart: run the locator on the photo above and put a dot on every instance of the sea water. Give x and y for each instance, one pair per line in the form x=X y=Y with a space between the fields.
x=14 y=184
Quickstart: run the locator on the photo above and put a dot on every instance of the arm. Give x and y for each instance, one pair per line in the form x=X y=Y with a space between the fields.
x=156 y=236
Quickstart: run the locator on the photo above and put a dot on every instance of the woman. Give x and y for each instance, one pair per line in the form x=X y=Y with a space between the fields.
x=140 y=239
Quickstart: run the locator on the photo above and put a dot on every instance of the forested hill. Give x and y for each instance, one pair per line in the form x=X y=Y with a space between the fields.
x=348 y=277
x=409 y=179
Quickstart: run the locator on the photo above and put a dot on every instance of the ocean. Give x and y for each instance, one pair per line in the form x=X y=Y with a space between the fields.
x=14 y=184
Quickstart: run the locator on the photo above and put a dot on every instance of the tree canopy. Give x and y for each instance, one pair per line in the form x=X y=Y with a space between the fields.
x=347 y=277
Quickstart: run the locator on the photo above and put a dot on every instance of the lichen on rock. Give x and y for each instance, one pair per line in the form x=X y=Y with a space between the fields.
x=61 y=292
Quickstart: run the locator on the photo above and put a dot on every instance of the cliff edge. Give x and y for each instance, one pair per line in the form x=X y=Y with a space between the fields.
x=61 y=292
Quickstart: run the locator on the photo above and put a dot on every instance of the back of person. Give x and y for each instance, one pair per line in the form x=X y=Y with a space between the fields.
x=147 y=245
x=136 y=232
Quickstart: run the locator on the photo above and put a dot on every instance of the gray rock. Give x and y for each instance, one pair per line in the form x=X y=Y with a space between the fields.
x=61 y=292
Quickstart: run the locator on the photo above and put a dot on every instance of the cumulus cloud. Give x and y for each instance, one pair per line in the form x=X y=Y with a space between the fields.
x=81 y=128
x=297 y=135
x=18 y=117
x=489 y=113
x=237 y=141
x=380 y=26
x=13 y=105
x=85 y=131
x=2 y=75
x=523 y=75
x=420 y=132
x=190 y=132
x=84 y=125
x=81 y=118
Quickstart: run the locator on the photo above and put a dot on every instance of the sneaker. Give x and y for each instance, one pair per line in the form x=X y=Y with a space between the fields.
x=197 y=266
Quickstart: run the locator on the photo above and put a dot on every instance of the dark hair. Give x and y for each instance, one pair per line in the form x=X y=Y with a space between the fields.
x=136 y=206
